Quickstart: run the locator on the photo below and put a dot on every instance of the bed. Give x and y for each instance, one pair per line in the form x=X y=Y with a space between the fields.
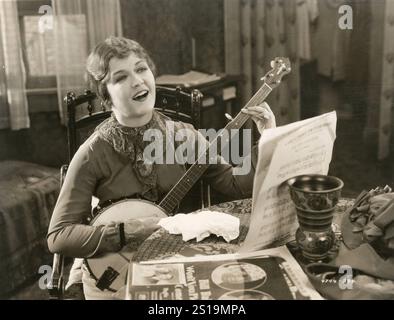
x=28 y=193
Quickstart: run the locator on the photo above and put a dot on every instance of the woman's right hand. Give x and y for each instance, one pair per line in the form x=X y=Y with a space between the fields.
x=137 y=230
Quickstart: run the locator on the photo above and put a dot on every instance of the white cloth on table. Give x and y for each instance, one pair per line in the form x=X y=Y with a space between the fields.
x=202 y=224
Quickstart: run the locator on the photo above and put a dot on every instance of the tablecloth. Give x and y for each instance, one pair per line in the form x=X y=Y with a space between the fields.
x=162 y=245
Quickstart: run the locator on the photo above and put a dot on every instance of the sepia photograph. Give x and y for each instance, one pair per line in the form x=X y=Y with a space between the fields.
x=272 y=120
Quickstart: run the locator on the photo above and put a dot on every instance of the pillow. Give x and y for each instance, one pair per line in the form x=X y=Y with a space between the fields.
x=368 y=234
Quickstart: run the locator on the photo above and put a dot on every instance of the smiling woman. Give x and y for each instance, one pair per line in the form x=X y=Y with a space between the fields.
x=110 y=164
x=131 y=87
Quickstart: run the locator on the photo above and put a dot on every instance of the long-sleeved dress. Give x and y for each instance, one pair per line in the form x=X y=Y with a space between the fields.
x=105 y=167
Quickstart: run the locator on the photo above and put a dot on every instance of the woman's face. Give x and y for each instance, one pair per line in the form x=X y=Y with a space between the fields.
x=132 y=89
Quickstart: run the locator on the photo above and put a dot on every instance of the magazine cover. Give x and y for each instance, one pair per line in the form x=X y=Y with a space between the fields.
x=262 y=275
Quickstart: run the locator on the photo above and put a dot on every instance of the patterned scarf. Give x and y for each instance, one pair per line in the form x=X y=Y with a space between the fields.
x=129 y=142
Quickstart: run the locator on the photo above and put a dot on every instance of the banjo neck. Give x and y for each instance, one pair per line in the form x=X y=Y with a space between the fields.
x=196 y=170
x=280 y=67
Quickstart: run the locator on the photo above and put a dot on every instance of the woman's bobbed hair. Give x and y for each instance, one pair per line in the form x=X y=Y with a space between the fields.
x=97 y=65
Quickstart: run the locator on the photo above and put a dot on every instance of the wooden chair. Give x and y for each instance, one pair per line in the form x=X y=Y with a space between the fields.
x=83 y=117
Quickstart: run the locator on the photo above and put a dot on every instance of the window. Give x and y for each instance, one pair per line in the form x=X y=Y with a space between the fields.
x=38 y=48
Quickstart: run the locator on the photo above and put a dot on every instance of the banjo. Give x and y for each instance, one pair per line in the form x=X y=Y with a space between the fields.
x=110 y=269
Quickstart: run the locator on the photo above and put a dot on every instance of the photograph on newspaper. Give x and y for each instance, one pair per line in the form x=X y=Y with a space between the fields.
x=263 y=275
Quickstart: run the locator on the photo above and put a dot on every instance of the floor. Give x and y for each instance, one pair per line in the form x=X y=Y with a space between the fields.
x=31 y=291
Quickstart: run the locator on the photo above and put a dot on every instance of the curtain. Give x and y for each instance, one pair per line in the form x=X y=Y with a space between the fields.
x=79 y=25
x=331 y=54
x=14 y=112
x=386 y=99
x=257 y=31
x=4 y=113
x=379 y=126
x=103 y=20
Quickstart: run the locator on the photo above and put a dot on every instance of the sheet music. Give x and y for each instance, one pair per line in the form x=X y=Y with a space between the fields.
x=303 y=147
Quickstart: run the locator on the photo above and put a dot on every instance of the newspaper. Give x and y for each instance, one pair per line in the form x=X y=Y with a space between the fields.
x=262 y=275
x=303 y=147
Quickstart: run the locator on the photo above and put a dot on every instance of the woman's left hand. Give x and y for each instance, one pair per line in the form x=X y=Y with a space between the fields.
x=262 y=115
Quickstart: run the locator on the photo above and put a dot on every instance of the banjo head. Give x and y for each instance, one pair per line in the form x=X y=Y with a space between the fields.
x=124 y=210
x=112 y=267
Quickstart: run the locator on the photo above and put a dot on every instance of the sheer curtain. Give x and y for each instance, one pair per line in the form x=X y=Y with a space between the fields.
x=78 y=26
x=14 y=112
x=256 y=32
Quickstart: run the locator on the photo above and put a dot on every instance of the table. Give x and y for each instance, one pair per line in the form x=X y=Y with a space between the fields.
x=162 y=245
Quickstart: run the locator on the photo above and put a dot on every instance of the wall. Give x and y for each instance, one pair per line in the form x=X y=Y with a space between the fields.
x=166 y=27
x=208 y=30
x=162 y=28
